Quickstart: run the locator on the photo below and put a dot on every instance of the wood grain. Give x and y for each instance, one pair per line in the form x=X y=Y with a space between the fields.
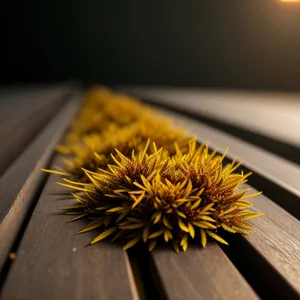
x=275 y=213
x=24 y=112
x=54 y=263
x=277 y=239
x=20 y=182
x=200 y=274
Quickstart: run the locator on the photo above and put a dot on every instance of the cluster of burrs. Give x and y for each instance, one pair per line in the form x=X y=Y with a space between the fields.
x=138 y=179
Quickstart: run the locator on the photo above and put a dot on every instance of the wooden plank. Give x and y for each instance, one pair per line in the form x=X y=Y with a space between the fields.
x=21 y=181
x=274 y=245
x=24 y=112
x=54 y=262
x=276 y=214
x=18 y=102
x=256 y=111
x=200 y=274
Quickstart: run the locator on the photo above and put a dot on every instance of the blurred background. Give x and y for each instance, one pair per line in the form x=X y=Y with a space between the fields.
x=233 y=64
x=230 y=68
x=250 y=44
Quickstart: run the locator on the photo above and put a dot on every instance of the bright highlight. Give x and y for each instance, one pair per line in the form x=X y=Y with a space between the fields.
x=289 y=0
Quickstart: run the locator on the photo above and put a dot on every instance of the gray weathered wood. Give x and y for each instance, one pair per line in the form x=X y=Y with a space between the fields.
x=274 y=114
x=23 y=113
x=54 y=263
x=20 y=182
x=277 y=238
x=275 y=213
x=200 y=274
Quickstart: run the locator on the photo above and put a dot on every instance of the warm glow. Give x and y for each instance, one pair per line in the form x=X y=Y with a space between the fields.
x=289 y=0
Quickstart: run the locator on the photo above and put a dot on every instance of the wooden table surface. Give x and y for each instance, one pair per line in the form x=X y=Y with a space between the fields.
x=23 y=112
x=274 y=114
x=53 y=262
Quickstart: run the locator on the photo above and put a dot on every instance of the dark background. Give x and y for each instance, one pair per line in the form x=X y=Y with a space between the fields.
x=247 y=44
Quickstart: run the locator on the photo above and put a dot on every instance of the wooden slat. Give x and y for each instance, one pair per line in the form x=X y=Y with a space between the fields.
x=19 y=102
x=271 y=114
x=23 y=113
x=200 y=274
x=54 y=263
x=276 y=239
x=275 y=213
x=21 y=181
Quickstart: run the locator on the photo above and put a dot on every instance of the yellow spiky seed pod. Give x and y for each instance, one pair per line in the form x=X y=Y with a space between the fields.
x=136 y=191
x=148 y=198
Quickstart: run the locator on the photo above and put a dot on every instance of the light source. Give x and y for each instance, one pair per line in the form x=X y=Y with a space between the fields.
x=289 y=0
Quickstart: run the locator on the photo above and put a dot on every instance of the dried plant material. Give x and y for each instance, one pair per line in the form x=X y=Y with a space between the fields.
x=148 y=197
x=104 y=111
x=94 y=151
x=136 y=191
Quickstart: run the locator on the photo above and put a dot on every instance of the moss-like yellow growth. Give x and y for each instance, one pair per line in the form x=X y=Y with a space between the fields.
x=92 y=151
x=148 y=197
x=139 y=179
